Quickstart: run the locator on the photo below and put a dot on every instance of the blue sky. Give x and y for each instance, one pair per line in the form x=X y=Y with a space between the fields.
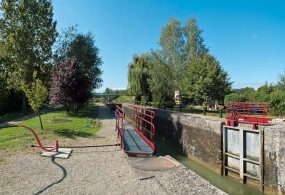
x=247 y=37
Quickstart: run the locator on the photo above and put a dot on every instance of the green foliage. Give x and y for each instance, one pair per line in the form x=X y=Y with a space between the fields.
x=204 y=105
x=180 y=45
x=234 y=97
x=281 y=82
x=263 y=93
x=82 y=46
x=278 y=102
x=161 y=80
x=36 y=93
x=20 y=138
x=27 y=33
x=205 y=79
x=138 y=74
x=123 y=99
x=248 y=93
x=10 y=100
x=124 y=92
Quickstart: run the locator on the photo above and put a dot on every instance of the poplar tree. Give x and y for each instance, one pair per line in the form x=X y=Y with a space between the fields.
x=180 y=44
x=27 y=33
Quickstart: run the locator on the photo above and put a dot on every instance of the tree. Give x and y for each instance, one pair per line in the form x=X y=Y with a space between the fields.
x=138 y=73
x=277 y=98
x=263 y=93
x=36 y=93
x=281 y=82
x=82 y=46
x=69 y=85
x=234 y=97
x=206 y=80
x=180 y=44
x=27 y=33
x=161 y=80
x=248 y=93
x=195 y=42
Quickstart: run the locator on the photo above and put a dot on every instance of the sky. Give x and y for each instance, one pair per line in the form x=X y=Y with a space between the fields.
x=247 y=37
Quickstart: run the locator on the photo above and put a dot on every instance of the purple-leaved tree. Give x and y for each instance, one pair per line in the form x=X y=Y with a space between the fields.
x=69 y=85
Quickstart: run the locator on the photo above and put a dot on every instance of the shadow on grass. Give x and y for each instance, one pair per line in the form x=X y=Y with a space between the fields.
x=71 y=133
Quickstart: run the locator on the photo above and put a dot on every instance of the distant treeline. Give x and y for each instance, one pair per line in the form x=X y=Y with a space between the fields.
x=116 y=91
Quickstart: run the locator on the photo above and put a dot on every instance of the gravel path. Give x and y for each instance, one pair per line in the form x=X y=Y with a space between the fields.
x=98 y=168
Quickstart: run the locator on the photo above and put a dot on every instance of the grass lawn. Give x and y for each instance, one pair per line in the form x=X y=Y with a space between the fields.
x=80 y=125
x=11 y=116
x=197 y=111
x=215 y=112
x=123 y=99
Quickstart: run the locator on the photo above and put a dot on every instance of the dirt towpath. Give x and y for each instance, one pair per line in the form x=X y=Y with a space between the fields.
x=96 y=166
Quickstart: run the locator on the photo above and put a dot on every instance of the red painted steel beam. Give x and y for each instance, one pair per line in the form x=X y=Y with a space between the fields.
x=46 y=148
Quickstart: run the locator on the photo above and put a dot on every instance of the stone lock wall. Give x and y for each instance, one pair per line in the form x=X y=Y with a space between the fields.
x=201 y=139
x=274 y=159
x=198 y=137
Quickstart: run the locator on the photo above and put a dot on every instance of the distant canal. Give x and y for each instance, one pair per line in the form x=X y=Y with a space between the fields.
x=226 y=184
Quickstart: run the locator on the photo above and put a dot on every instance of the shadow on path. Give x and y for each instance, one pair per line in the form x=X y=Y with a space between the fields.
x=90 y=146
x=59 y=181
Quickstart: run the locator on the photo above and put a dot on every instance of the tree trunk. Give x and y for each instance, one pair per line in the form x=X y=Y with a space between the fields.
x=24 y=102
x=221 y=113
x=67 y=109
x=204 y=112
x=40 y=121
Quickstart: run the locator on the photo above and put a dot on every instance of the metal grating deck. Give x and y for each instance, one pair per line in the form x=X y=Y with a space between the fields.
x=134 y=144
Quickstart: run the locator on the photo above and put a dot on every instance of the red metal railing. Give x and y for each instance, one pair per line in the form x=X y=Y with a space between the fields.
x=120 y=126
x=46 y=148
x=144 y=126
x=247 y=112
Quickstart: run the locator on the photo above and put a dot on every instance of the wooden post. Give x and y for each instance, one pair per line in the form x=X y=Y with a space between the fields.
x=224 y=151
x=261 y=159
x=241 y=155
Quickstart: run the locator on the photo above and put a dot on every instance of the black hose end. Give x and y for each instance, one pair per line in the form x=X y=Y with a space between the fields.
x=32 y=146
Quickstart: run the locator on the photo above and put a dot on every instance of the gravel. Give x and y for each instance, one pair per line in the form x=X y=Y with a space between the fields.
x=96 y=166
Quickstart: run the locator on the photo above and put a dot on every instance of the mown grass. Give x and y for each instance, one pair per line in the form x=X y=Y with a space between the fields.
x=123 y=99
x=14 y=115
x=80 y=125
x=216 y=113
x=198 y=111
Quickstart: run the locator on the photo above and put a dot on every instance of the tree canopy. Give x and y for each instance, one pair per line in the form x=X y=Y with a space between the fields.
x=27 y=33
x=82 y=46
x=69 y=85
x=205 y=79
x=138 y=73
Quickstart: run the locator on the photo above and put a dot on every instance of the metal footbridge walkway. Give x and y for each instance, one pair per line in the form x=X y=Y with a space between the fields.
x=139 y=139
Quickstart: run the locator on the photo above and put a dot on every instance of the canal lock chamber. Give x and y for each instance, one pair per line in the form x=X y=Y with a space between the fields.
x=224 y=150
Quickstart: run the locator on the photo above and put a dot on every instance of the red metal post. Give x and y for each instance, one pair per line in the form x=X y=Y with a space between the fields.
x=46 y=148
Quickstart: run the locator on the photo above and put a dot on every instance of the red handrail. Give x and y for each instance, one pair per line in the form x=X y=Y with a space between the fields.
x=143 y=119
x=247 y=112
x=46 y=148
x=120 y=126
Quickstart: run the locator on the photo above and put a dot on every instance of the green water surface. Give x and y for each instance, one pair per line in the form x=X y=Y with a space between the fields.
x=226 y=184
